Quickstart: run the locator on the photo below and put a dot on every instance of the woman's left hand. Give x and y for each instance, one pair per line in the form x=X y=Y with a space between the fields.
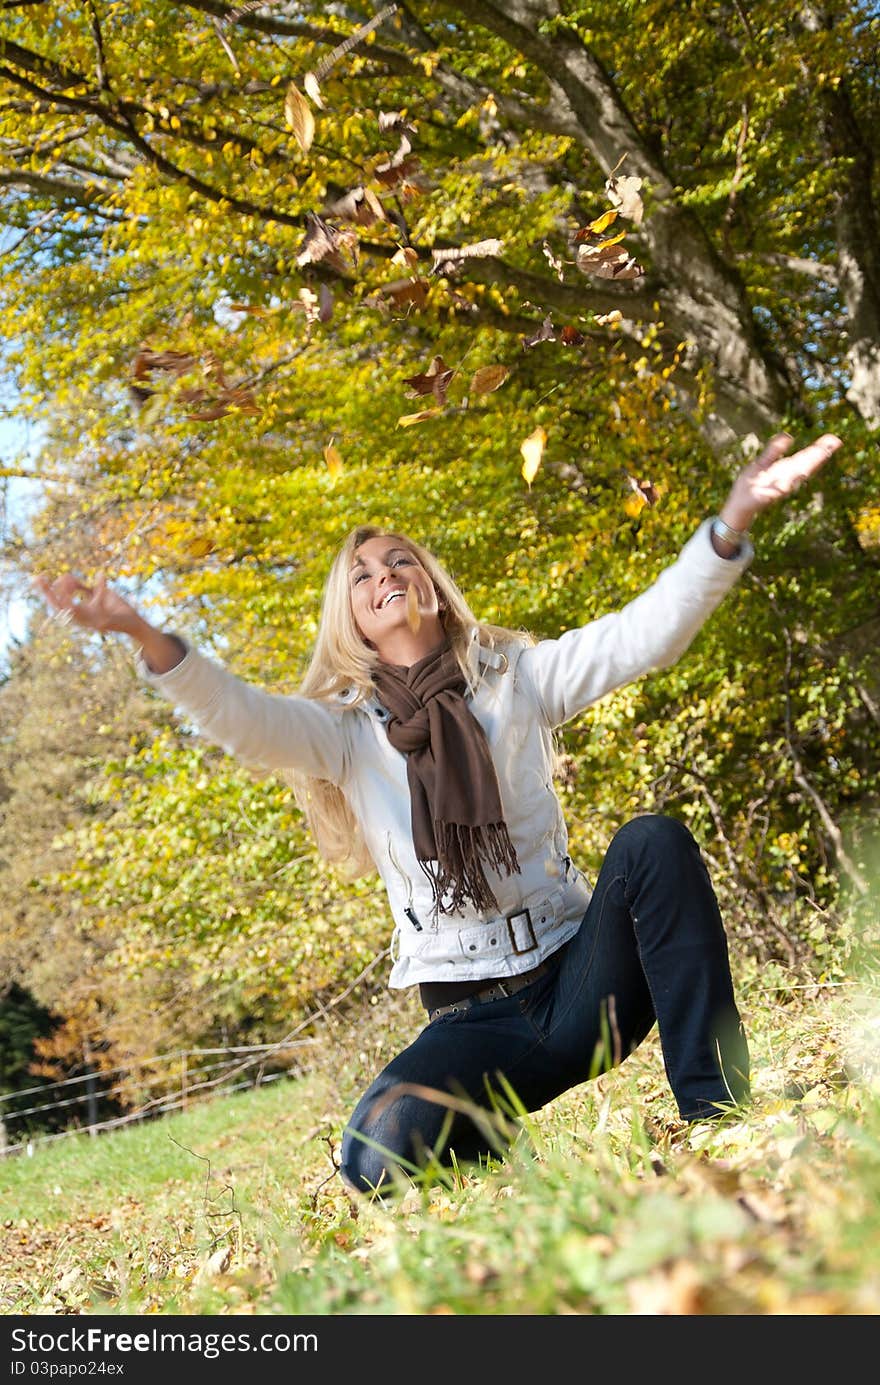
x=774 y=475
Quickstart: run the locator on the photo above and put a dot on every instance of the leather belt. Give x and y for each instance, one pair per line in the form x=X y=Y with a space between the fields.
x=498 y=990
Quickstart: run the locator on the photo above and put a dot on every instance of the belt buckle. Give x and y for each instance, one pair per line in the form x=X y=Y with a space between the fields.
x=521 y=914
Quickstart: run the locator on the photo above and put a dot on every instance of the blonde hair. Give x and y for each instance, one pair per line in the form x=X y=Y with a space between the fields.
x=342 y=664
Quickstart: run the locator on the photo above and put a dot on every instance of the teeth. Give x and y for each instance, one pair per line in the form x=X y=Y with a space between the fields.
x=390 y=597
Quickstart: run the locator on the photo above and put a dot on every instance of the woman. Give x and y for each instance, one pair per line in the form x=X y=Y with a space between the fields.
x=422 y=741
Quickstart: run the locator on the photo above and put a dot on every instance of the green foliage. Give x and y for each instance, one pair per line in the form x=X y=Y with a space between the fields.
x=190 y=358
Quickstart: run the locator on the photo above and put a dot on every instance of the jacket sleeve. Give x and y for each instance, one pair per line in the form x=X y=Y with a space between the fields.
x=651 y=631
x=262 y=729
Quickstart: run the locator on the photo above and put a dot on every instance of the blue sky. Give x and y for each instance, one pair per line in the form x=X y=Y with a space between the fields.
x=15 y=438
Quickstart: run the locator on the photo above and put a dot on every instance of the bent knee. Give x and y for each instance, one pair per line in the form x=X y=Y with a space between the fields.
x=658 y=831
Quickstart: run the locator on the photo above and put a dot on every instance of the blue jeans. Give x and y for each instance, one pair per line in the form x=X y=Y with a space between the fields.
x=650 y=948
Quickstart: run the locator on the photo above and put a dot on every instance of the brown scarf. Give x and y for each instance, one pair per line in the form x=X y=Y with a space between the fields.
x=457 y=818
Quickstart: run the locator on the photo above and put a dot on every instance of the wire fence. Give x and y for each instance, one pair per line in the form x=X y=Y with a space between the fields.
x=200 y=1074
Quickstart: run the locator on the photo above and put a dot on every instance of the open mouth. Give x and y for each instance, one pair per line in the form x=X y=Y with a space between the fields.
x=392 y=596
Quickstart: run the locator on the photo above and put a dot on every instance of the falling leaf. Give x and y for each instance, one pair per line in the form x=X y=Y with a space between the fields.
x=389 y=119
x=570 y=336
x=599 y=242
x=532 y=449
x=544 y=333
x=405 y=254
x=312 y=89
x=434 y=381
x=175 y=362
x=325 y=242
x=554 y=262
x=624 y=193
x=608 y=318
x=608 y=261
x=139 y=395
x=325 y=304
x=360 y=205
x=333 y=460
x=249 y=308
x=403 y=291
x=298 y=114
x=488 y=378
x=602 y=222
x=398 y=167
x=633 y=505
x=353 y=40
x=646 y=489
x=413 y=614
x=407 y=420
x=477 y=250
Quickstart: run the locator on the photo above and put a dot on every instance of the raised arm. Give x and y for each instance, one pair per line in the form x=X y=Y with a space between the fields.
x=654 y=629
x=260 y=728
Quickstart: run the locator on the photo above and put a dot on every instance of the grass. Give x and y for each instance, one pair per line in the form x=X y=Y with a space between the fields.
x=606 y=1204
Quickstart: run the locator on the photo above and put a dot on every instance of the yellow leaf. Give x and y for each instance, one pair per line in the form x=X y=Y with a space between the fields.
x=333 y=460
x=298 y=115
x=532 y=449
x=413 y=614
x=406 y=420
x=488 y=378
x=634 y=504
x=602 y=222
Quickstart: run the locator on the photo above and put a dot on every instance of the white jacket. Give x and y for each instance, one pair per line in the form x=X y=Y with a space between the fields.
x=521 y=697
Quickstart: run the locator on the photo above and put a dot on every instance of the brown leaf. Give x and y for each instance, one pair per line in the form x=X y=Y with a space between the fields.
x=398 y=167
x=488 y=378
x=644 y=488
x=298 y=114
x=175 y=362
x=324 y=242
x=361 y=205
x=608 y=262
x=402 y=291
x=532 y=449
x=599 y=242
x=139 y=395
x=405 y=254
x=544 y=333
x=570 y=336
x=250 y=309
x=434 y=381
x=325 y=304
x=407 y=420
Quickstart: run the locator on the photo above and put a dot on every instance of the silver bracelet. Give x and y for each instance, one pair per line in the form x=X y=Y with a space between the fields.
x=728 y=533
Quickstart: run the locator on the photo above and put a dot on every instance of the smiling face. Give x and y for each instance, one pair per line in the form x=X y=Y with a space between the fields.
x=381 y=576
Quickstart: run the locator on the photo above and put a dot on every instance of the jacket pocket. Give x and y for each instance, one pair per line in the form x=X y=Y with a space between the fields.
x=407 y=885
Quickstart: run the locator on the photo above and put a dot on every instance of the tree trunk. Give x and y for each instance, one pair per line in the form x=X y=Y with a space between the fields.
x=702 y=298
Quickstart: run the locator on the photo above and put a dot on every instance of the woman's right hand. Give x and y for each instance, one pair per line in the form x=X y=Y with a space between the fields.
x=94 y=608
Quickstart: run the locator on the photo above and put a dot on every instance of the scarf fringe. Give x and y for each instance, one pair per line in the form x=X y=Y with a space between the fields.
x=459 y=868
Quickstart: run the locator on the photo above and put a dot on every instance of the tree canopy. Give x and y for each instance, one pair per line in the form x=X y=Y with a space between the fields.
x=525 y=279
